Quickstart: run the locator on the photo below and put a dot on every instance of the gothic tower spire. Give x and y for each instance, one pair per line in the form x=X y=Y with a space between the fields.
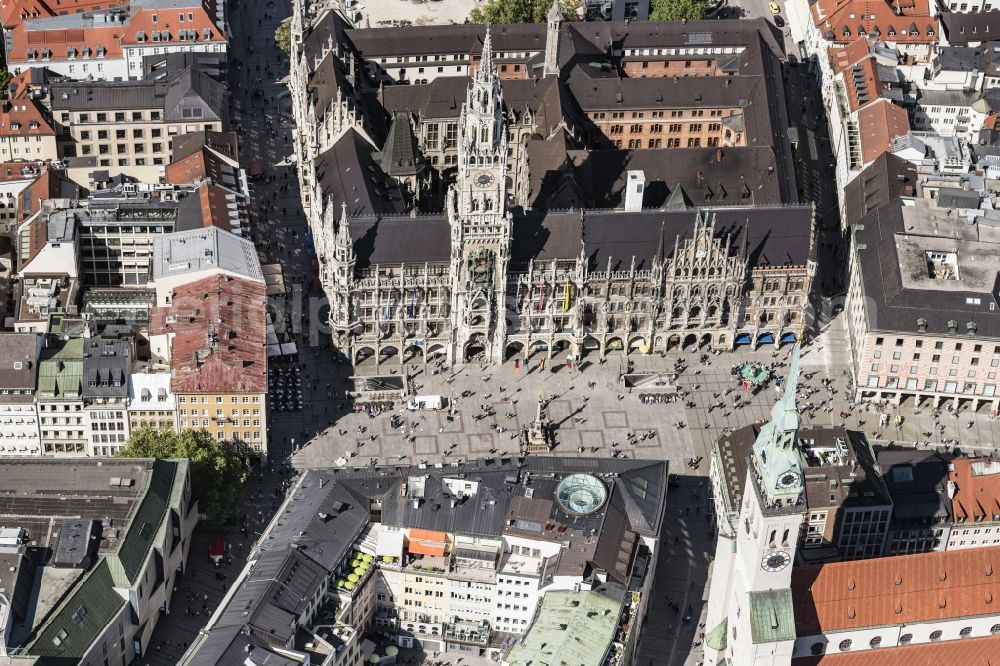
x=776 y=455
x=555 y=19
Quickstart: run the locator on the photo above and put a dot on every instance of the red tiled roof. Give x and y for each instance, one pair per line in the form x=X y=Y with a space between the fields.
x=58 y=42
x=194 y=166
x=21 y=85
x=862 y=83
x=880 y=122
x=24 y=117
x=219 y=343
x=976 y=487
x=214 y=206
x=195 y=18
x=896 y=590
x=984 y=651
x=842 y=57
x=12 y=12
x=888 y=21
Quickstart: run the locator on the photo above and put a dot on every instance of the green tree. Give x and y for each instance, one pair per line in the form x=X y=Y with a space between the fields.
x=677 y=10
x=217 y=474
x=283 y=35
x=5 y=78
x=521 y=11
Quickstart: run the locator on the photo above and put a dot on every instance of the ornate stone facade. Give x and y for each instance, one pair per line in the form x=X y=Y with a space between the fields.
x=485 y=280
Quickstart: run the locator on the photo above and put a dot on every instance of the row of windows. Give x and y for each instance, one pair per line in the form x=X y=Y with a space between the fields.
x=205 y=422
x=906 y=639
x=219 y=399
x=119 y=117
x=938 y=345
x=931 y=385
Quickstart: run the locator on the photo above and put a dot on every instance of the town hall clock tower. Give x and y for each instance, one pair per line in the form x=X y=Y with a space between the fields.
x=480 y=223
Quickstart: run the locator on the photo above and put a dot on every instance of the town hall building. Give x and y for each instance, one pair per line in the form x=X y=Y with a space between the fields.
x=485 y=252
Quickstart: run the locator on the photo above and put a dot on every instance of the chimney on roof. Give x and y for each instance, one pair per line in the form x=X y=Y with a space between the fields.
x=635 y=185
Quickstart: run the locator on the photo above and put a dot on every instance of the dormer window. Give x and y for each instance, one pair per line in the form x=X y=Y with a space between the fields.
x=206 y=33
x=930 y=31
x=101 y=51
x=34 y=124
x=15 y=125
x=140 y=36
x=46 y=54
x=32 y=54
x=192 y=35
x=891 y=32
x=71 y=52
x=847 y=31
x=86 y=51
x=156 y=35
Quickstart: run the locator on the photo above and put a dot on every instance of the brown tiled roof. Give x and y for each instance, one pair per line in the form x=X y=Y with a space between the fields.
x=214 y=206
x=976 y=489
x=880 y=122
x=219 y=336
x=983 y=651
x=21 y=85
x=842 y=57
x=906 y=589
x=862 y=83
x=848 y=19
x=24 y=117
x=60 y=41
x=202 y=164
x=142 y=21
x=12 y=12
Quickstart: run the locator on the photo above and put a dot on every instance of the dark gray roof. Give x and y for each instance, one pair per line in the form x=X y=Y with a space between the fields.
x=892 y=306
x=166 y=65
x=400 y=156
x=189 y=96
x=400 y=239
x=106 y=366
x=709 y=176
x=916 y=481
x=956 y=197
x=552 y=235
x=443 y=98
x=888 y=177
x=775 y=236
x=964 y=27
x=578 y=40
x=958 y=58
x=348 y=174
x=183 y=145
x=19 y=360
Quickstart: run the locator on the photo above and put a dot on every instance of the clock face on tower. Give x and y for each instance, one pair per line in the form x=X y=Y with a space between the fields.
x=787 y=480
x=484 y=180
x=775 y=561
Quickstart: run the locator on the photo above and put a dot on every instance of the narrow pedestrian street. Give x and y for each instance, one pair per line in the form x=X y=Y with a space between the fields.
x=260 y=114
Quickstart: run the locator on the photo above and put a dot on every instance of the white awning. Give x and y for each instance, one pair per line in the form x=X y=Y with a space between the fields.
x=390 y=543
